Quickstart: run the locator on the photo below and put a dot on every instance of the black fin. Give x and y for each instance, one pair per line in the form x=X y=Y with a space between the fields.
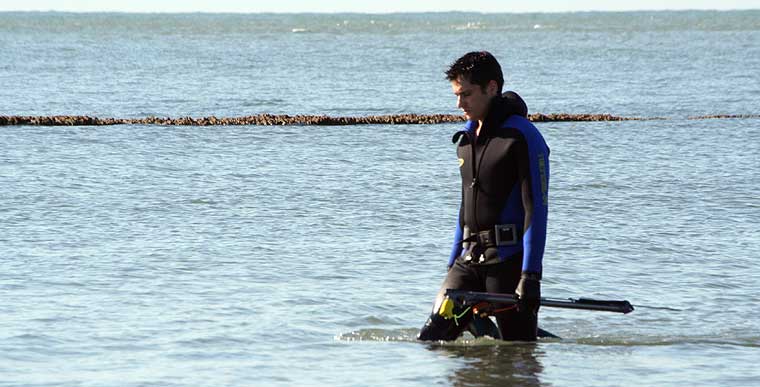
x=546 y=334
x=483 y=326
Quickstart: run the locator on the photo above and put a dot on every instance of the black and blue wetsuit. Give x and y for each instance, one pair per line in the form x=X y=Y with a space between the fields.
x=505 y=181
x=501 y=230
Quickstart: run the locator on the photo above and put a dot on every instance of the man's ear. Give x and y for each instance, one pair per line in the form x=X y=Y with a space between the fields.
x=492 y=88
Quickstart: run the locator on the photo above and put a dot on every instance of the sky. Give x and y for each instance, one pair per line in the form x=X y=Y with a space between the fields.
x=385 y=6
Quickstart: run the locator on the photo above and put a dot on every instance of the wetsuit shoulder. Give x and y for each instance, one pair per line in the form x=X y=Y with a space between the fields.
x=514 y=103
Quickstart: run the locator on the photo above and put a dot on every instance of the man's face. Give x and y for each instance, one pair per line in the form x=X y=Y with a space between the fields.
x=472 y=99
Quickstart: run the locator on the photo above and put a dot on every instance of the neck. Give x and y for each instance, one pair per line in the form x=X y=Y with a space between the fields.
x=485 y=115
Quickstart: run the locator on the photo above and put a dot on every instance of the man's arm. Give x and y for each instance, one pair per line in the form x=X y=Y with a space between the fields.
x=534 y=226
x=534 y=236
x=456 y=249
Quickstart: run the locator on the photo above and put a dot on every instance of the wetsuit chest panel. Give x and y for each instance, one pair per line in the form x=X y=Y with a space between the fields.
x=496 y=161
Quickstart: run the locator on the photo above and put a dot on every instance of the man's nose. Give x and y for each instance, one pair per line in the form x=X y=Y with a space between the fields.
x=460 y=102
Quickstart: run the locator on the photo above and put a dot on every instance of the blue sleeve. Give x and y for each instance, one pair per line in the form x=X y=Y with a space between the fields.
x=533 y=165
x=534 y=238
x=456 y=249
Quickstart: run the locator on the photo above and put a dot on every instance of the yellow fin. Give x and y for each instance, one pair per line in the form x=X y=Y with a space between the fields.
x=447 y=308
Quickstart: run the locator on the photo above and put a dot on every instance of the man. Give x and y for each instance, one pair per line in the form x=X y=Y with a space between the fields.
x=501 y=231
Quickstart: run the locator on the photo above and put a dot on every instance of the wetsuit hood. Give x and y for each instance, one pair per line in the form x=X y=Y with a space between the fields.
x=502 y=107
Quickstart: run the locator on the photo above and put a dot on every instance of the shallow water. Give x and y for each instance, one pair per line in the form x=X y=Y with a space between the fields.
x=648 y=64
x=147 y=255
x=136 y=254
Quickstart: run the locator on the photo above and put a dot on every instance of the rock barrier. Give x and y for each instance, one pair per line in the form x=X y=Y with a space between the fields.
x=274 y=119
x=283 y=119
x=724 y=116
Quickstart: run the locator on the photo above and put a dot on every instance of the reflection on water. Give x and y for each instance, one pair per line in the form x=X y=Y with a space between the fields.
x=498 y=365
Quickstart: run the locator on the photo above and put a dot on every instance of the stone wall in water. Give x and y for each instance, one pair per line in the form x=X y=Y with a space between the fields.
x=272 y=119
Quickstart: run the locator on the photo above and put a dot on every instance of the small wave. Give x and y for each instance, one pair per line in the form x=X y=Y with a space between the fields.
x=202 y=201
x=372 y=321
x=643 y=341
x=403 y=334
x=469 y=26
x=410 y=335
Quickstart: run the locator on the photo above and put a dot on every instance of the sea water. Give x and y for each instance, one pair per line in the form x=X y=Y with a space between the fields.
x=296 y=255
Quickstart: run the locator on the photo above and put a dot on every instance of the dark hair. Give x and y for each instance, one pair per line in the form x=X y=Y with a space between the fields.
x=477 y=67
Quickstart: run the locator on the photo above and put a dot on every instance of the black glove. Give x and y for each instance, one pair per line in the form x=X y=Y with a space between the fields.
x=528 y=292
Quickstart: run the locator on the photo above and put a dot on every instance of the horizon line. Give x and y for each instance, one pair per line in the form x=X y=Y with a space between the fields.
x=377 y=13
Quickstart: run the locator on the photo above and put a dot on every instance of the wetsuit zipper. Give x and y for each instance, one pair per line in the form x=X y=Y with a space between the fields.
x=475 y=171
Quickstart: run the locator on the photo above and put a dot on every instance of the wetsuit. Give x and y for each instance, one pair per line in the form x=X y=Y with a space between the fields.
x=501 y=230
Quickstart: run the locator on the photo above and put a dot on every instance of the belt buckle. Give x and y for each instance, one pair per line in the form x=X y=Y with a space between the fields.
x=506 y=234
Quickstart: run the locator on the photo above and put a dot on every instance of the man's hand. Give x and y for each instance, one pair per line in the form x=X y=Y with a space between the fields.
x=528 y=292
